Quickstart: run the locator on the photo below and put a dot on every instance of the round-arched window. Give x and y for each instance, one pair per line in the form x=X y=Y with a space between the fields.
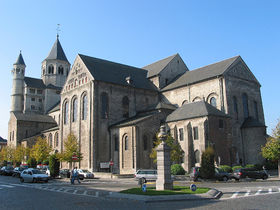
x=50 y=140
x=213 y=101
x=197 y=156
x=56 y=139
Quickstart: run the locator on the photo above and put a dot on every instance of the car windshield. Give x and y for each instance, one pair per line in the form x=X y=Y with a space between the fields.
x=85 y=171
x=37 y=172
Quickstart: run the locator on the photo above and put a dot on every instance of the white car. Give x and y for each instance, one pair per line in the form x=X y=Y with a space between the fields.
x=33 y=175
x=147 y=174
x=87 y=174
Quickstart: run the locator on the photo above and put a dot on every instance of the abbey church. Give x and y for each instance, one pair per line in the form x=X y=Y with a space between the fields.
x=115 y=110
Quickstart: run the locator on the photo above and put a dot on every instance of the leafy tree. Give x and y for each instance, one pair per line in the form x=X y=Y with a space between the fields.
x=7 y=154
x=19 y=154
x=32 y=163
x=207 y=169
x=71 y=147
x=176 y=153
x=271 y=150
x=54 y=165
x=41 y=150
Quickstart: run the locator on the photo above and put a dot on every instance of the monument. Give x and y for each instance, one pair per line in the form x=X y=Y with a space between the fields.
x=164 y=181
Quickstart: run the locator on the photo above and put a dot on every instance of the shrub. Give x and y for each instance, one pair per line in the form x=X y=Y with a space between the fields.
x=236 y=167
x=249 y=166
x=207 y=169
x=270 y=165
x=258 y=166
x=54 y=166
x=226 y=168
x=32 y=163
x=177 y=169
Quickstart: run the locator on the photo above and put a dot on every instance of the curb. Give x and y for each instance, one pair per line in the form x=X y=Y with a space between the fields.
x=211 y=194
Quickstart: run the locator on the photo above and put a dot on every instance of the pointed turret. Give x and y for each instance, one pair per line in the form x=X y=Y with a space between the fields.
x=55 y=67
x=18 y=84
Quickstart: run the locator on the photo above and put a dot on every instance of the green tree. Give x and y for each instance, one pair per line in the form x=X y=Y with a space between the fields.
x=207 y=169
x=71 y=147
x=54 y=165
x=19 y=154
x=271 y=150
x=41 y=150
x=176 y=153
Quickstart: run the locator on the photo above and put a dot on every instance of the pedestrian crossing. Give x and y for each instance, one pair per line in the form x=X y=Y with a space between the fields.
x=2 y=186
x=249 y=192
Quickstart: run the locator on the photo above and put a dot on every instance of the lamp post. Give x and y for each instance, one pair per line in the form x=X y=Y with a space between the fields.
x=164 y=181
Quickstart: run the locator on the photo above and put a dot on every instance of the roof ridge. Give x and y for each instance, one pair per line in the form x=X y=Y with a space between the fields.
x=162 y=60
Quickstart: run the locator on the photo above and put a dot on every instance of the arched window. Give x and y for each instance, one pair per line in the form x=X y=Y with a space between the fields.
x=116 y=141
x=50 y=140
x=235 y=106
x=125 y=106
x=84 y=107
x=74 y=110
x=104 y=105
x=196 y=99
x=145 y=142
x=184 y=102
x=245 y=105
x=125 y=142
x=50 y=69
x=60 y=70
x=56 y=139
x=66 y=108
x=197 y=156
x=256 y=110
x=213 y=101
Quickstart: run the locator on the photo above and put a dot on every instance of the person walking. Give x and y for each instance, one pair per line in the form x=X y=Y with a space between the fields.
x=72 y=178
x=76 y=175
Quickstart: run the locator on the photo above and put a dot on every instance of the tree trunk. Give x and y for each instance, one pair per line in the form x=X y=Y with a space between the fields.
x=279 y=168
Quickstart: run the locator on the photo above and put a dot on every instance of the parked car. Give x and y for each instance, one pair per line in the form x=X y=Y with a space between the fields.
x=17 y=171
x=66 y=173
x=6 y=170
x=249 y=173
x=45 y=169
x=146 y=174
x=33 y=175
x=87 y=174
x=219 y=174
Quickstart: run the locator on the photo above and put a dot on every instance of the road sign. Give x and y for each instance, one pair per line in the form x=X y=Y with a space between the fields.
x=74 y=157
x=144 y=188
x=111 y=163
x=193 y=187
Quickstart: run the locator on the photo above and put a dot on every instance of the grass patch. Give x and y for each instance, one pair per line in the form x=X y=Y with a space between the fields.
x=177 y=190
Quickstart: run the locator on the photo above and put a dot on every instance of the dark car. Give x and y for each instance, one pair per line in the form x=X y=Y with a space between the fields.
x=219 y=174
x=17 y=171
x=252 y=173
x=66 y=173
x=7 y=170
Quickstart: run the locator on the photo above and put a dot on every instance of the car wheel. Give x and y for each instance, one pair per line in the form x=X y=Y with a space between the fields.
x=225 y=178
x=21 y=180
x=46 y=181
x=34 y=180
x=265 y=177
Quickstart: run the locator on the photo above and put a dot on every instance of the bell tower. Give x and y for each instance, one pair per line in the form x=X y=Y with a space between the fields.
x=18 y=73
x=55 y=67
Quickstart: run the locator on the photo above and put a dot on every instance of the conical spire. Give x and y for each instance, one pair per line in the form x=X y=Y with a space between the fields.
x=57 y=52
x=20 y=60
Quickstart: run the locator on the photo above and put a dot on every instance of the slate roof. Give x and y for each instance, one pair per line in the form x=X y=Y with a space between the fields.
x=107 y=71
x=203 y=73
x=51 y=86
x=155 y=68
x=35 y=83
x=251 y=122
x=57 y=52
x=133 y=120
x=19 y=60
x=54 y=108
x=3 y=140
x=194 y=110
x=34 y=117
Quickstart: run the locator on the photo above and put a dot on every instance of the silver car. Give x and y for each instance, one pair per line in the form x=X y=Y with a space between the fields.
x=33 y=175
x=147 y=174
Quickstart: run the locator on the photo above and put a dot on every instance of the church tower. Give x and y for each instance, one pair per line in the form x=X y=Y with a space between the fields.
x=18 y=85
x=55 y=67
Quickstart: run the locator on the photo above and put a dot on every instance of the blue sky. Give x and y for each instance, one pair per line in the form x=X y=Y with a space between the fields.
x=138 y=33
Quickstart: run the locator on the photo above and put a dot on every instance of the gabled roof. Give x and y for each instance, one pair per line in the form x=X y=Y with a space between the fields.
x=3 y=140
x=20 y=60
x=57 y=52
x=34 y=117
x=35 y=83
x=194 y=110
x=203 y=73
x=54 y=108
x=107 y=71
x=155 y=68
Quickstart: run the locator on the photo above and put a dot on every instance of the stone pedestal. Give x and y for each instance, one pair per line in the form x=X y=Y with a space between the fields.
x=164 y=181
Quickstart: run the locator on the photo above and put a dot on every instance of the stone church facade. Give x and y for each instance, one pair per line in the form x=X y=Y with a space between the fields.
x=115 y=110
